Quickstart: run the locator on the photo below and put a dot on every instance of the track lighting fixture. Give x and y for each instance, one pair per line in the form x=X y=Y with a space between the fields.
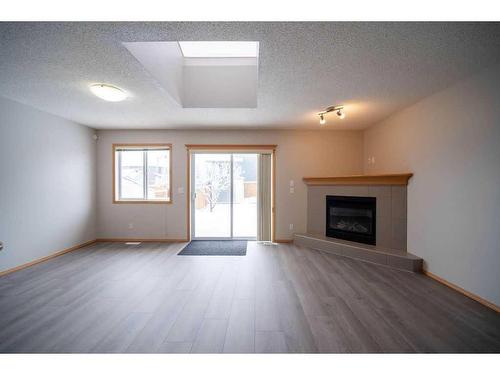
x=339 y=109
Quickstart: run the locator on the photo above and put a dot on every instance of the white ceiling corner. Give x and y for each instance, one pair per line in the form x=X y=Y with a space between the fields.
x=164 y=61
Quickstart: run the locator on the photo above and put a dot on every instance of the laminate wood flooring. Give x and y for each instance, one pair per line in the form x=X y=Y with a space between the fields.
x=114 y=298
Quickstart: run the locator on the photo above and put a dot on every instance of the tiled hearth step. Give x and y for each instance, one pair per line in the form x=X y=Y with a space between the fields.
x=388 y=257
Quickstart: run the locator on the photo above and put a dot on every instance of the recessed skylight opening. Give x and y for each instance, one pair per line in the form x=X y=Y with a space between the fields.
x=203 y=74
x=219 y=49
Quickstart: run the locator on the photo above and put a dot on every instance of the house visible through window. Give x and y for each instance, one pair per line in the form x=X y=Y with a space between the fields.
x=142 y=173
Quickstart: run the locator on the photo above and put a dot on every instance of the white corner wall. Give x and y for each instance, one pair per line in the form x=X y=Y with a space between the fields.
x=48 y=184
x=451 y=142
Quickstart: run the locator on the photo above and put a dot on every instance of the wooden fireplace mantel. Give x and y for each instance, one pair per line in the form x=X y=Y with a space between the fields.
x=374 y=179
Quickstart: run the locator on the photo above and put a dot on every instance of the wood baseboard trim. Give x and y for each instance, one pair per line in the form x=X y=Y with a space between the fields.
x=142 y=240
x=45 y=258
x=282 y=240
x=473 y=296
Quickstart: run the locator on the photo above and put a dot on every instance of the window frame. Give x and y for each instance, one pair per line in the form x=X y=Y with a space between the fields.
x=146 y=146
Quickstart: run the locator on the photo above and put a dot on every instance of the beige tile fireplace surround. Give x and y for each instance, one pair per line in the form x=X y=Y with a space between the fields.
x=390 y=192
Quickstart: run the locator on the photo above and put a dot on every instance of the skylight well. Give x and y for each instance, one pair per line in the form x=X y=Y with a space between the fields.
x=203 y=74
x=211 y=49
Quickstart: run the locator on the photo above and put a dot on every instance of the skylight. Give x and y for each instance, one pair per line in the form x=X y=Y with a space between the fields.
x=219 y=49
x=203 y=74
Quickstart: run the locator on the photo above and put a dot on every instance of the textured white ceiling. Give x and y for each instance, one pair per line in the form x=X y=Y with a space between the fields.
x=372 y=68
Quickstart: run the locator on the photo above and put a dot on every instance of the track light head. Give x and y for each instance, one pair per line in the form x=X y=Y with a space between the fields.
x=339 y=109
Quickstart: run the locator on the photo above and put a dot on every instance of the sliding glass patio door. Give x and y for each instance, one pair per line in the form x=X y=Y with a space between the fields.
x=244 y=196
x=223 y=196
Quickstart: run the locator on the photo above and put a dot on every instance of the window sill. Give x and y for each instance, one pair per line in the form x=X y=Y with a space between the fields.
x=141 y=202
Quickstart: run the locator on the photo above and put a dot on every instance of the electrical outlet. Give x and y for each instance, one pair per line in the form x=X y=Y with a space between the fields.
x=180 y=190
x=291 y=226
x=131 y=226
x=292 y=190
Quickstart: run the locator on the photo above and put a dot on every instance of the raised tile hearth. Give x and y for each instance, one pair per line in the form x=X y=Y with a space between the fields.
x=388 y=257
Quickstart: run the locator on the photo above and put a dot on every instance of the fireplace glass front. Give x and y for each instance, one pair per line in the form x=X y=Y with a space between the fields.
x=351 y=218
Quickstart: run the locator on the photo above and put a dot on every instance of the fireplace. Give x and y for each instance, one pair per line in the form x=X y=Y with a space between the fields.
x=351 y=218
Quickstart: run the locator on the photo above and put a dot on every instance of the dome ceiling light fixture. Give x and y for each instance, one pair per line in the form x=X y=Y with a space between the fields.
x=339 y=109
x=108 y=92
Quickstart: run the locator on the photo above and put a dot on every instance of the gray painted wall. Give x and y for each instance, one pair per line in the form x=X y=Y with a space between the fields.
x=48 y=182
x=299 y=154
x=451 y=142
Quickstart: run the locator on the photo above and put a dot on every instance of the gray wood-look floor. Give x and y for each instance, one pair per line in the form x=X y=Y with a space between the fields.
x=115 y=298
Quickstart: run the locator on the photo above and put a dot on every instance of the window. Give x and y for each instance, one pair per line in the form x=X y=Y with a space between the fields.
x=142 y=173
x=219 y=49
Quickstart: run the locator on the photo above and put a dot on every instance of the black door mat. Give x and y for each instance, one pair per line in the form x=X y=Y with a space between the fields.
x=230 y=248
